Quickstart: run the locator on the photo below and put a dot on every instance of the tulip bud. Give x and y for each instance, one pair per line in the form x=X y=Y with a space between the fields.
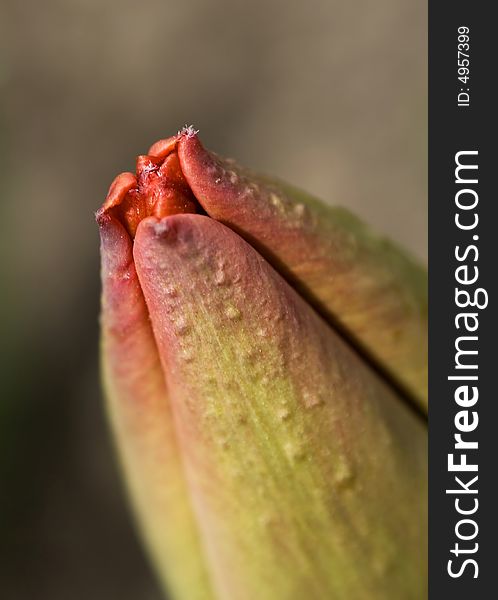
x=264 y=456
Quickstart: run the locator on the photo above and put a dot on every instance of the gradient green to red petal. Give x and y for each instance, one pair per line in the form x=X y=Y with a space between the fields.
x=359 y=281
x=308 y=476
x=140 y=414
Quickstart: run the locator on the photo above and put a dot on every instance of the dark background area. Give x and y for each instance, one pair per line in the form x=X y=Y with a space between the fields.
x=329 y=95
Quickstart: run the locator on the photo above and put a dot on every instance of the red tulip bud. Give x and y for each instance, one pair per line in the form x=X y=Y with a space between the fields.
x=264 y=456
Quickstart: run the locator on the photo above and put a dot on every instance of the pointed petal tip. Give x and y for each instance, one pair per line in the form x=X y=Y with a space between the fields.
x=109 y=225
x=118 y=189
x=163 y=147
x=168 y=228
x=189 y=142
x=101 y=217
x=153 y=228
x=115 y=243
x=212 y=180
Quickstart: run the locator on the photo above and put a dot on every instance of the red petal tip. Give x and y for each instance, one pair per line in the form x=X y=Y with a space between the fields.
x=158 y=189
x=162 y=148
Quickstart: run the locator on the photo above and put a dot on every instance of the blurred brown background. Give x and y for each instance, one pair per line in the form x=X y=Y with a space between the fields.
x=329 y=95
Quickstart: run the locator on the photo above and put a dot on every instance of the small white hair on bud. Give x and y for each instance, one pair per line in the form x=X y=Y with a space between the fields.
x=188 y=130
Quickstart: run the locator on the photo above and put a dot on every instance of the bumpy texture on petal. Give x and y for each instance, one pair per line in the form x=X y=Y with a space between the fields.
x=365 y=285
x=307 y=476
x=140 y=414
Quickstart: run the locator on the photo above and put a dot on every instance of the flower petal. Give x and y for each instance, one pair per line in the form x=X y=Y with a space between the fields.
x=363 y=284
x=140 y=415
x=308 y=478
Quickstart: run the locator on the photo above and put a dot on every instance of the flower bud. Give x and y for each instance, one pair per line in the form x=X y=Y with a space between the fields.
x=265 y=458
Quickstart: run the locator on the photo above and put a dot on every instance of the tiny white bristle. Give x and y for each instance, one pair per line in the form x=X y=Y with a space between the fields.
x=189 y=131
